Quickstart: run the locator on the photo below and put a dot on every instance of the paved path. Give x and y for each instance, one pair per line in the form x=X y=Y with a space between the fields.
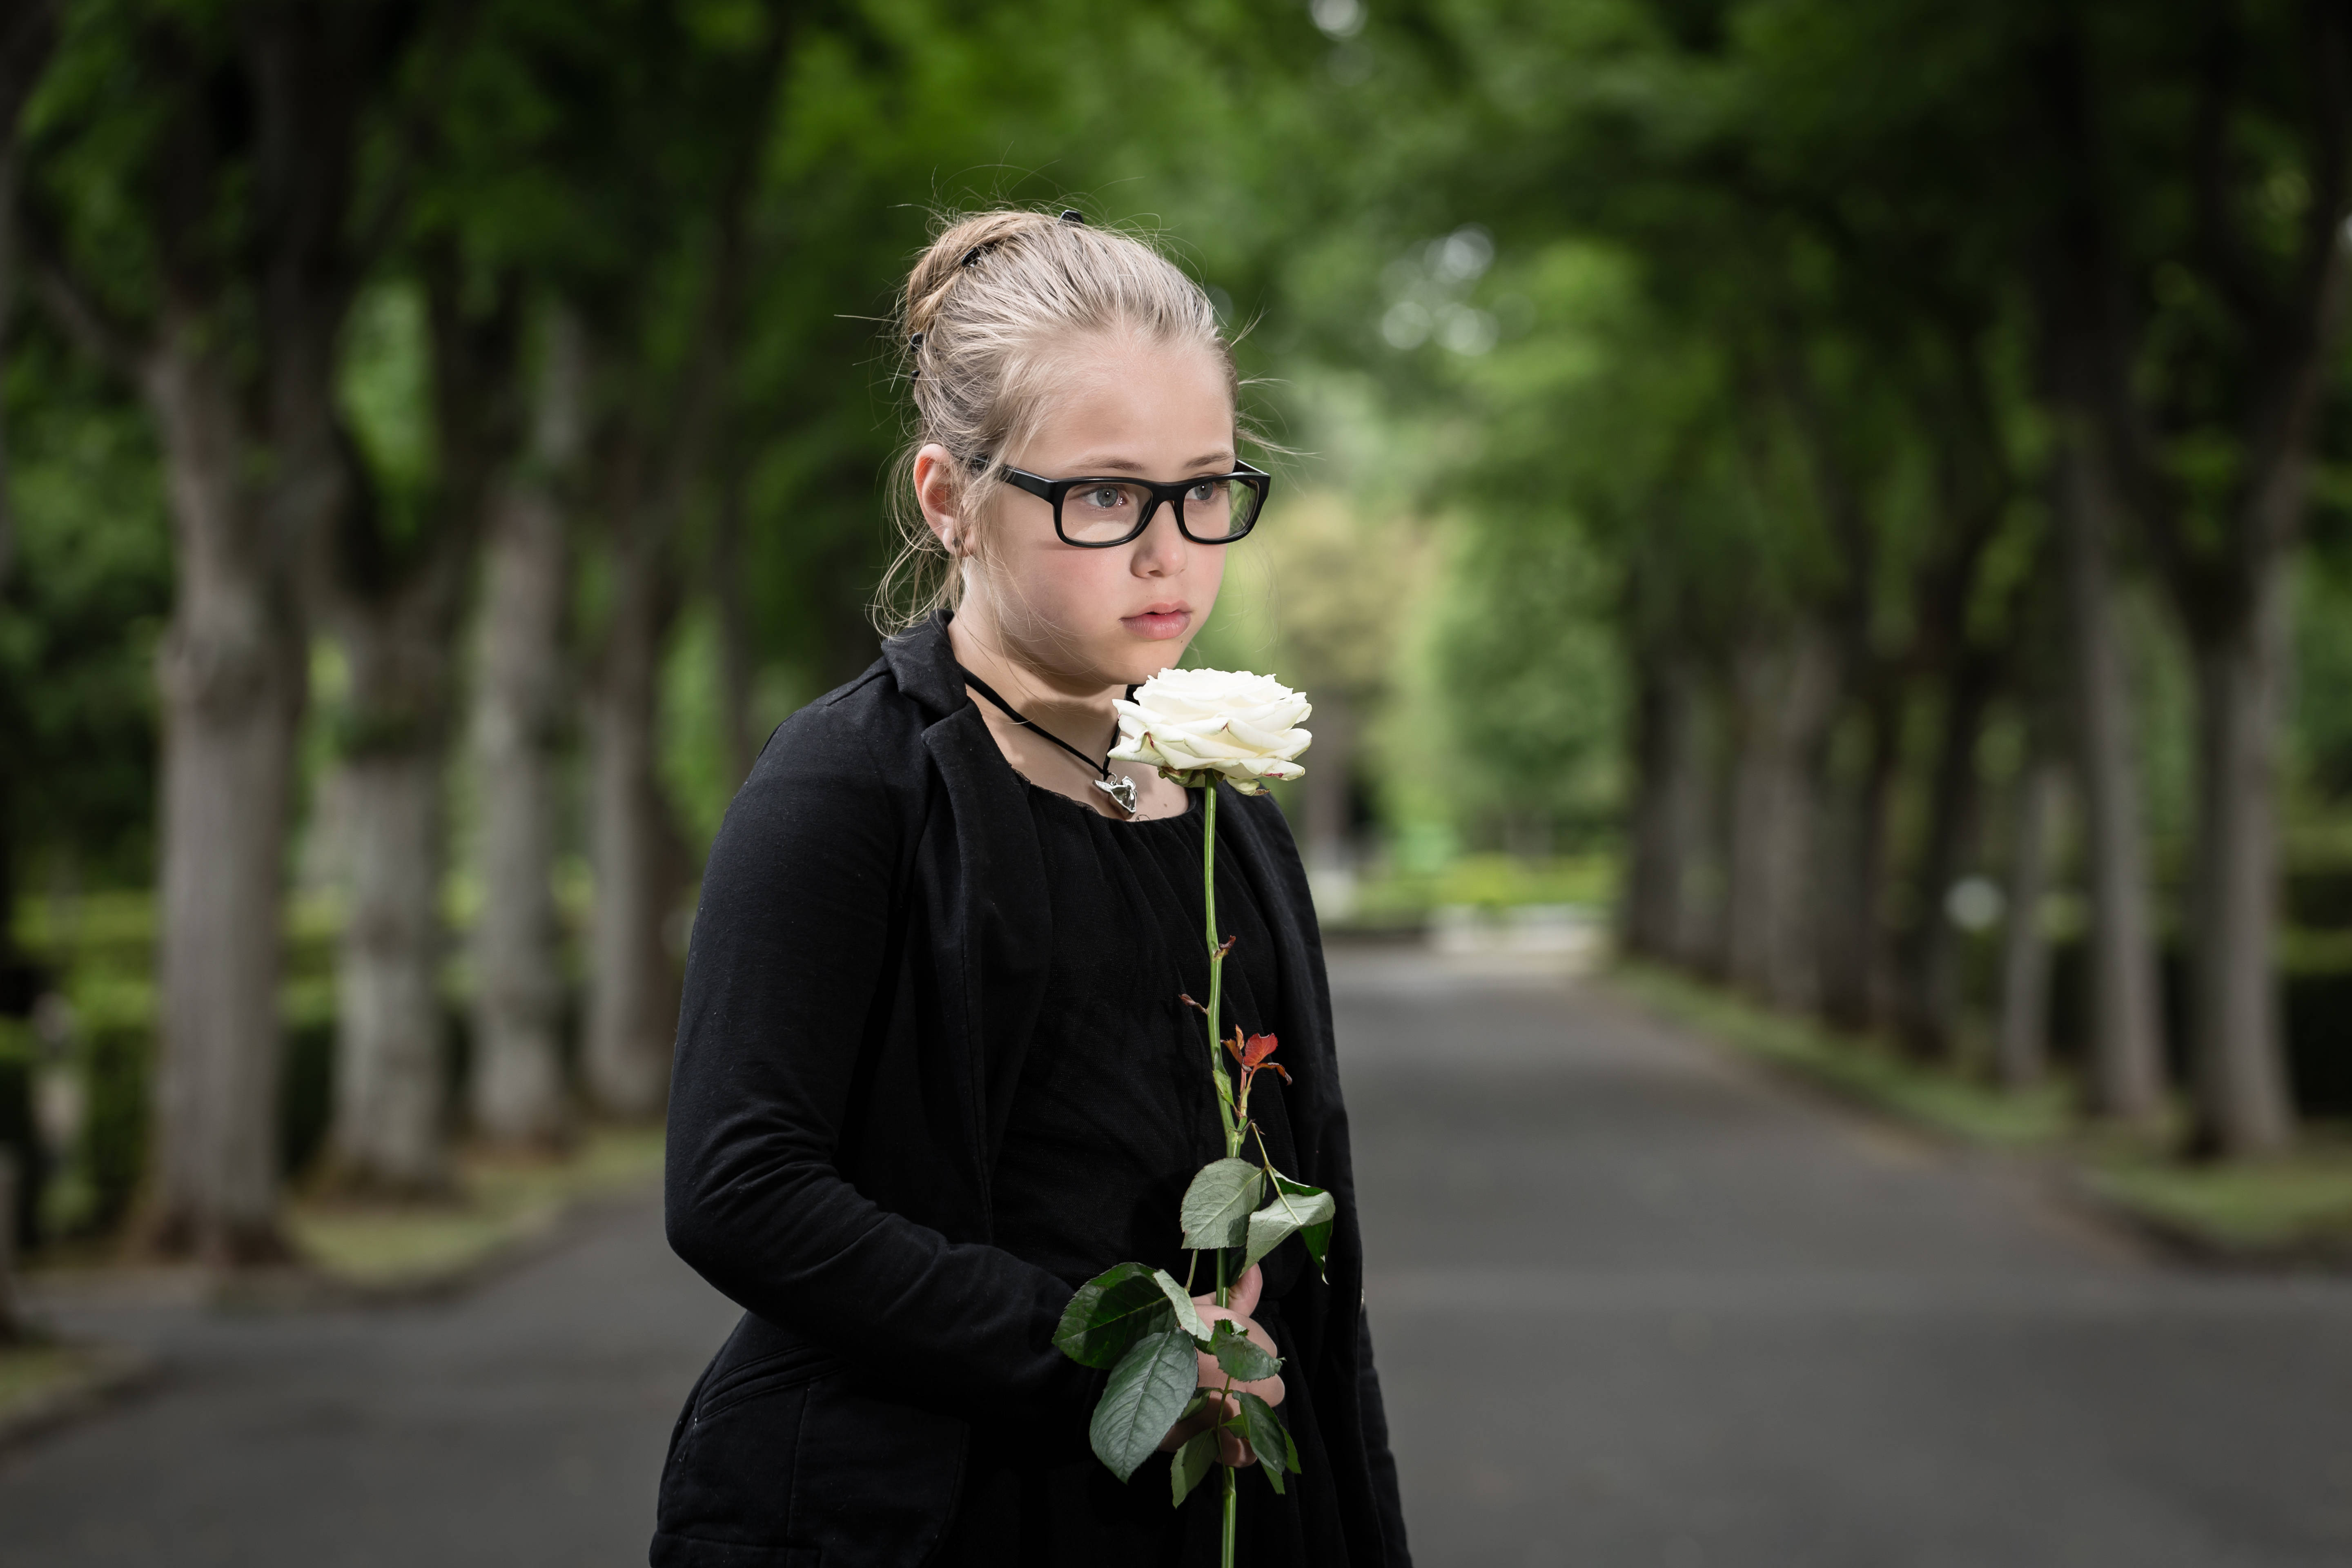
x=1637 y=1305
x=521 y=1427
x=1640 y=1305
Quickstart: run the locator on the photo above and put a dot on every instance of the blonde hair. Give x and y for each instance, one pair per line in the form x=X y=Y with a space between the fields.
x=982 y=310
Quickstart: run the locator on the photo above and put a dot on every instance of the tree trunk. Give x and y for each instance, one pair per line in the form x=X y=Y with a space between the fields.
x=1783 y=696
x=1930 y=996
x=518 y=1082
x=2243 y=1102
x=12 y=1327
x=2126 y=1080
x=1653 y=872
x=1853 y=881
x=231 y=670
x=633 y=981
x=734 y=621
x=518 y=1088
x=390 y=1091
x=2022 y=1053
x=1700 y=824
x=1330 y=853
x=632 y=984
x=1674 y=891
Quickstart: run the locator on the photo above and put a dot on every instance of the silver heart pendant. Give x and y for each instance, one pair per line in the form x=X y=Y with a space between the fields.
x=1123 y=792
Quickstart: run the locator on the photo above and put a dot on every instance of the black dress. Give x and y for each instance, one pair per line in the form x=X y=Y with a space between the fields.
x=876 y=985
x=1113 y=1115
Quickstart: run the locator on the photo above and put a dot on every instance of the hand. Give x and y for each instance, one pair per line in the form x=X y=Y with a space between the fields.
x=1231 y=1449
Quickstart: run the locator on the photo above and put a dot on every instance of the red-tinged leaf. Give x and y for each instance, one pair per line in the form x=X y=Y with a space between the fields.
x=1260 y=1047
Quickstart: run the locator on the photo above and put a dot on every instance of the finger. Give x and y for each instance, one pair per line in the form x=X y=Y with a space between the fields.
x=1233 y=1452
x=1183 y=1432
x=1244 y=1300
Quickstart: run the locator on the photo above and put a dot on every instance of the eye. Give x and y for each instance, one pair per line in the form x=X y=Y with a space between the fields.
x=1206 y=492
x=1102 y=497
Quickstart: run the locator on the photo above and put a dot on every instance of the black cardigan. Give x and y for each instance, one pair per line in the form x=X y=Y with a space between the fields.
x=867 y=963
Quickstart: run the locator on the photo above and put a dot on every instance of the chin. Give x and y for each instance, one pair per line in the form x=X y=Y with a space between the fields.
x=1140 y=664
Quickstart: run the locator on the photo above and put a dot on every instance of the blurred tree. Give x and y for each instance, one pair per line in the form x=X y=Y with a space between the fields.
x=27 y=36
x=659 y=425
x=1340 y=580
x=2200 y=278
x=217 y=284
x=403 y=554
x=520 y=710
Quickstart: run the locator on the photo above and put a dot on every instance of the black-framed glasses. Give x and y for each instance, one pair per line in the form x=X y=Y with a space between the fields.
x=1098 y=513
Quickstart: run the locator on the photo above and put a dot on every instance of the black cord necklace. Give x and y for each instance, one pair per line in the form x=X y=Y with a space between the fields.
x=1121 y=790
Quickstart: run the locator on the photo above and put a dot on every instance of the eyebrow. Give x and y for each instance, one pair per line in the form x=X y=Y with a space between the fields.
x=1224 y=457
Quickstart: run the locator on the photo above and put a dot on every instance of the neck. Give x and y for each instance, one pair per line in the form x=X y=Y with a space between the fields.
x=1076 y=706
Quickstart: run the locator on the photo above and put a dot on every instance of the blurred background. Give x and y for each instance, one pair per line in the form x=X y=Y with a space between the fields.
x=1820 y=538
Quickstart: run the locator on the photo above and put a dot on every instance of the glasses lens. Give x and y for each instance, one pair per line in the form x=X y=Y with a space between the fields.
x=1101 y=511
x=1219 y=509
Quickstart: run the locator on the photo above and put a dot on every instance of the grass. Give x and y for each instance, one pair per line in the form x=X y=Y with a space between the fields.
x=498 y=1204
x=37 y=1377
x=2297 y=1207
x=31 y=1372
x=1488 y=882
x=1862 y=1068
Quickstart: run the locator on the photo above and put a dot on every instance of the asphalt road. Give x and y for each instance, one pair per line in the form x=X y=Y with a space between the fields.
x=1637 y=1304
x=1640 y=1305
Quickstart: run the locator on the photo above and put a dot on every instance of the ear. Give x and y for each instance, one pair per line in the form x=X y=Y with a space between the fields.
x=940 y=497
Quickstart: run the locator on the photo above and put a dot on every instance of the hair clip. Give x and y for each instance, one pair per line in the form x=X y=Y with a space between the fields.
x=915 y=341
x=973 y=254
x=1072 y=214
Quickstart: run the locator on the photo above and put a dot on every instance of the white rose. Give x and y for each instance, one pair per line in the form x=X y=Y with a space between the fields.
x=1199 y=722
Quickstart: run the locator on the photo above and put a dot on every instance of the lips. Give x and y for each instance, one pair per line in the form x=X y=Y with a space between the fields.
x=1159 y=622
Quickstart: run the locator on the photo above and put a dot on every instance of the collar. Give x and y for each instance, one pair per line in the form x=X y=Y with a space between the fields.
x=924 y=664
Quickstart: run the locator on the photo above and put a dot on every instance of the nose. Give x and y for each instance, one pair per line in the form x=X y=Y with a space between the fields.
x=1161 y=550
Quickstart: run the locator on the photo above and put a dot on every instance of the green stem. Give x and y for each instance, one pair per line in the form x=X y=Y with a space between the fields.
x=1233 y=1501
x=1232 y=1119
x=1228 y=1111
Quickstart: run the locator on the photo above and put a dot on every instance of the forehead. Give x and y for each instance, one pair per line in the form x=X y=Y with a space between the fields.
x=1122 y=395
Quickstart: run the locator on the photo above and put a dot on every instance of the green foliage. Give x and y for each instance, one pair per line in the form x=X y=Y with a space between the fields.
x=1297 y=1210
x=1216 y=1207
x=1112 y=1312
x=386 y=389
x=1528 y=677
x=1240 y=1357
x=1193 y=1463
x=1188 y=1316
x=80 y=613
x=1270 y=1439
x=2322 y=726
x=1147 y=1391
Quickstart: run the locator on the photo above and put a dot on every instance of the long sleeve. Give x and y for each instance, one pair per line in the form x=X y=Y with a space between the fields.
x=789 y=978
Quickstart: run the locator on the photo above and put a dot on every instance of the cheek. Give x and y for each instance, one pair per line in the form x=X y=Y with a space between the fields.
x=1207 y=575
x=1071 y=587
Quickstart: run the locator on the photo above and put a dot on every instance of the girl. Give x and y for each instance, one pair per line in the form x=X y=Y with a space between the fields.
x=932 y=1071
